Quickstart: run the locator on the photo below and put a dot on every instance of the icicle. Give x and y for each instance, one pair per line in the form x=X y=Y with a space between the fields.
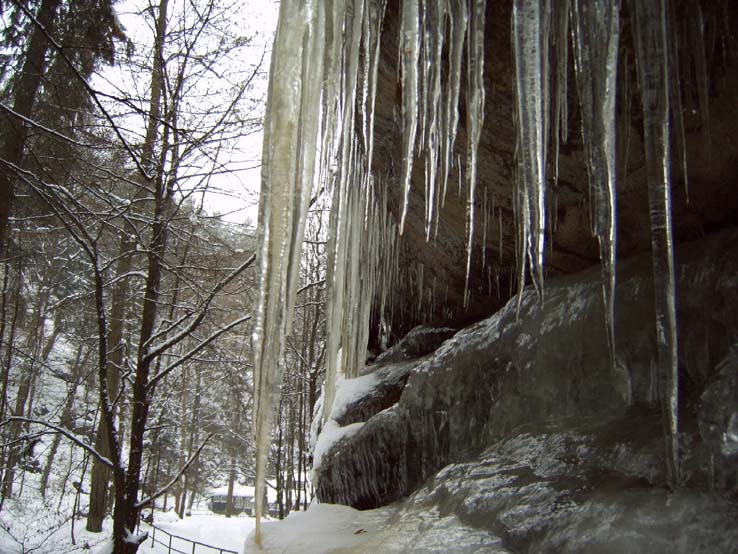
x=419 y=292
x=435 y=13
x=561 y=49
x=596 y=33
x=499 y=220
x=624 y=109
x=474 y=118
x=376 y=15
x=422 y=79
x=697 y=45
x=458 y=17
x=288 y=163
x=651 y=37
x=340 y=219
x=677 y=108
x=484 y=228
x=530 y=25
x=410 y=50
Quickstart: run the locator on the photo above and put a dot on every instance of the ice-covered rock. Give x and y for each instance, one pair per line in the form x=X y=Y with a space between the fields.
x=543 y=442
x=718 y=413
x=420 y=341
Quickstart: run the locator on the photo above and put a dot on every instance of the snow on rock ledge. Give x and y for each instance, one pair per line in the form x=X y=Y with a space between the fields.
x=377 y=389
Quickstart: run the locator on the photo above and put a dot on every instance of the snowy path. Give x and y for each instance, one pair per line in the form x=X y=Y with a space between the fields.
x=204 y=527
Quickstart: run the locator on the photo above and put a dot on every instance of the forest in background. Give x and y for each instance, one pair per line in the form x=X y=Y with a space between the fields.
x=125 y=303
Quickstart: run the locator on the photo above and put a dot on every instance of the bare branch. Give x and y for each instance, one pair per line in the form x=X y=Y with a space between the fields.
x=93 y=94
x=76 y=440
x=33 y=123
x=148 y=500
x=188 y=355
x=158 y=349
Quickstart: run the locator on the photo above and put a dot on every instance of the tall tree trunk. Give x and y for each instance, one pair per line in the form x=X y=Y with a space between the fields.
x=229 y=497
x=100 y=474
x=236 y=430
x=28 y=375
x=125 y=512
x=7 y=361
x=183 y=435
x=25 y=91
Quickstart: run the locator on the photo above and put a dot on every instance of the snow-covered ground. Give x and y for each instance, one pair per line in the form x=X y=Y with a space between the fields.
x=204 y=527
x=322 y=529
x=396 y=529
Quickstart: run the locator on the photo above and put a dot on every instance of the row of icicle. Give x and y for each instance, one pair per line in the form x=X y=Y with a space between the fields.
x=325 y=68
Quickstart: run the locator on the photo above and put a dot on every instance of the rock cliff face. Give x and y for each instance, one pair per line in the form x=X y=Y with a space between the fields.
x=520 y=426
x=712 y=166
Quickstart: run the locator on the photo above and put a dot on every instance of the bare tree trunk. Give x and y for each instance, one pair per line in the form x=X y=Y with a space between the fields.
x=233 y=451
x=25 y=91
x=23 y=396
x=100 y=474
x=231 y=481
x=7 y=362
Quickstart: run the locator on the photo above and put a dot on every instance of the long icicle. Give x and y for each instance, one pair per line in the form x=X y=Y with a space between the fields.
x=474 y=121
x=410 y=51
x=530 y=24
x=560 y=28
x=288 y=163
x=596 y=33
x=339 y=239
x=458 y=20
x=651 y=38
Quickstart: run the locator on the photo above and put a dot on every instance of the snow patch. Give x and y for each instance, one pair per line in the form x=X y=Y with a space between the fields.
x=332 y=433
x=322 y=528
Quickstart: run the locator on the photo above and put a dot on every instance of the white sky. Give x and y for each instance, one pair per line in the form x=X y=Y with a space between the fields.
x=260 y=17
x=236 y=193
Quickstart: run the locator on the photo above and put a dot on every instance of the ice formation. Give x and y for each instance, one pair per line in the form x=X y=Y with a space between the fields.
x=652 y=39
x=596 y=32
x=530 y=35
x=319 y=132
x=288 y=162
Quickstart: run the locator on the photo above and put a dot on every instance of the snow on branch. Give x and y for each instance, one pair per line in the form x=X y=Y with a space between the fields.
x=309 y=285
x=75 y=439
